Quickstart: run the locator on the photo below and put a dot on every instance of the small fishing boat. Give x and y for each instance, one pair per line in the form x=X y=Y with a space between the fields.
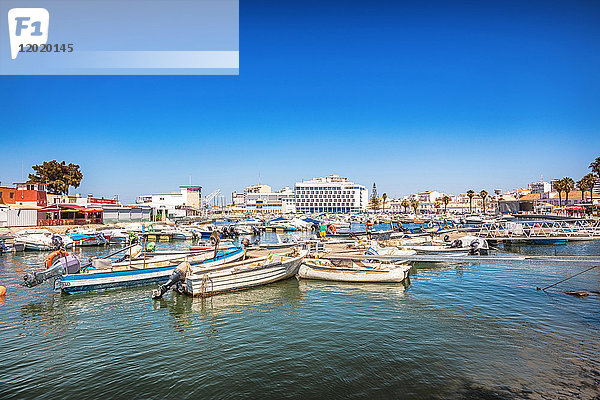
x=353 y=270
x=8 y=244
x=377 y=250
x=135 y=268
x=438 y=249
x=88 y=238
x=286 y=242
x=245 y=274
x=42 y=240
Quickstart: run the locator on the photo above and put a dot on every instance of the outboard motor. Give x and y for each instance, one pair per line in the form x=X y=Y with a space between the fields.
x=456 y=244
x=65 y=265
x=474 y=248
x=176 y=279
x=57 y=242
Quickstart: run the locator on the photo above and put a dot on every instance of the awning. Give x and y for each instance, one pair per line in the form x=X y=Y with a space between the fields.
x=574 y=208
x=71 y=206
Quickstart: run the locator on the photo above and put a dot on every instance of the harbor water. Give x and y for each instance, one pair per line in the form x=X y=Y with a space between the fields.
x=453 y=331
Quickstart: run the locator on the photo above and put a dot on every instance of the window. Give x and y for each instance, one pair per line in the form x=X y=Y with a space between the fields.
x=12 y=195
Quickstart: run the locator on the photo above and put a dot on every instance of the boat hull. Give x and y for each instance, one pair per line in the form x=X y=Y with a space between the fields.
x=398 y=274
x=89 y=282
x=233 y=279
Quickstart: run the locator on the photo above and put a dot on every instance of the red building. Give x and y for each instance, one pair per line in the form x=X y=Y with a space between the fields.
x=8 y=195
x=31 y=194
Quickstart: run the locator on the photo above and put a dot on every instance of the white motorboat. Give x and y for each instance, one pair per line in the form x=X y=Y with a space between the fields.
x=353 y=270
x=243 y=274
x=135 y=268
x=42 y=240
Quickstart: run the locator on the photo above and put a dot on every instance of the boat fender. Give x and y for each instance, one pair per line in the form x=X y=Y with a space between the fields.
x=136 y=250
x=2 y=291
x=50 y=259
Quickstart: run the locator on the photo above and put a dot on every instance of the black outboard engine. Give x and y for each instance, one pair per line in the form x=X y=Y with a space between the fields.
x=456 y=244
x=474 y=248
x=57 y=242
x=176 y=279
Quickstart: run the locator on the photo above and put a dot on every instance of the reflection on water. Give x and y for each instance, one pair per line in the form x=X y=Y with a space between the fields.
x=452 y=331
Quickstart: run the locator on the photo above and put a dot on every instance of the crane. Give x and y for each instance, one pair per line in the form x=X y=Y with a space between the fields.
x=211 y=196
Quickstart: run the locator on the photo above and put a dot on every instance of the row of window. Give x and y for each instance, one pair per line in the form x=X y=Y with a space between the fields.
x=11 y=195
x=322 y=196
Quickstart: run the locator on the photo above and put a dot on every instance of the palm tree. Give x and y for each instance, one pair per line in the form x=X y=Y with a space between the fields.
x=445 y=200
x=483 y=195
x=559 y=187
x=568 y=185
x=414 y=203
x=592 y=180
x=384 y=197
x=582 y=185
x=595 y=166
x=470 y=195
x=405 y=204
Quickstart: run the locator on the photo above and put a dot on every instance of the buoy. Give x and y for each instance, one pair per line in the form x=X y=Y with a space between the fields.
x=2 y=290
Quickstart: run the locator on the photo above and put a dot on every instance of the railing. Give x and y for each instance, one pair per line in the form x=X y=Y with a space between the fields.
x=78 y=221
x=544 y=229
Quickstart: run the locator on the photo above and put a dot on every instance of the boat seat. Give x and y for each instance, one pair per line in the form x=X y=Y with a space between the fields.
x=101 y=263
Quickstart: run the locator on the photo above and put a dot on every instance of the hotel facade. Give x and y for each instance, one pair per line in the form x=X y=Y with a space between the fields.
x=332 y=193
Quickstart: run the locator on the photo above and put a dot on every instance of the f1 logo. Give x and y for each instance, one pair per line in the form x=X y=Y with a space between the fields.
x=27 y=26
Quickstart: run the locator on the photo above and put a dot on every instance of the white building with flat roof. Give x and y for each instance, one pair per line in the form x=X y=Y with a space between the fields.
x=177 y=204
x=260 y=198
x=540 y=187
x=332 y=193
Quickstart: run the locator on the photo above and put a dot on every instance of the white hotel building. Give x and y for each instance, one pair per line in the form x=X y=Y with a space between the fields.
x=332 y=193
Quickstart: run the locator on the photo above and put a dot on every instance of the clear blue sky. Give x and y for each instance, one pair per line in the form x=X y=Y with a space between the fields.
x=412 y=96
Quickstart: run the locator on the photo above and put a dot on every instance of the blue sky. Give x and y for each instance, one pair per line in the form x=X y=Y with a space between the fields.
x=412 y=96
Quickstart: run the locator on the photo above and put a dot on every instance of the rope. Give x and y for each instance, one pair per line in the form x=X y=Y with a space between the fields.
x=579 y=273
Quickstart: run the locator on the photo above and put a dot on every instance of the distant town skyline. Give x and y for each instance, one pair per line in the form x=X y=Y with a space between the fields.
x=449 y=96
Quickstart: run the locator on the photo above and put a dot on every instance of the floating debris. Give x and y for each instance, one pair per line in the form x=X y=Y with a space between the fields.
x=577 y=293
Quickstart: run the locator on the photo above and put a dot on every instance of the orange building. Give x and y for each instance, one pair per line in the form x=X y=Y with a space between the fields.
x=31 y=194
x=7 y=195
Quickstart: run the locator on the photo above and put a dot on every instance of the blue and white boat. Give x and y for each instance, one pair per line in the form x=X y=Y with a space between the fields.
x=136 y=268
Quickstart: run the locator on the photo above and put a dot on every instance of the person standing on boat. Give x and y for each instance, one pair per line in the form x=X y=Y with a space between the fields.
x=322 y=230
x=369 y=228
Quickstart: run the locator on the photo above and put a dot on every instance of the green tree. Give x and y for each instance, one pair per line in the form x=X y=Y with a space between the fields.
x=483 y=194
x=595 y=166
x=470 y=195
x=445 y=200
x=592 y=180
x=405 y=203
x=414 y=203
x=582 y=185
x=384 y=198
x=374 y=202
x=58 y=176
x=568 y=185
